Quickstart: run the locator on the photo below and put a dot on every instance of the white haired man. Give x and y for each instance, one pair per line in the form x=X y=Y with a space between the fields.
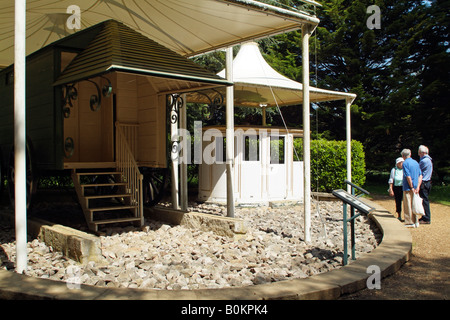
x=426 y=165
x=412 y=179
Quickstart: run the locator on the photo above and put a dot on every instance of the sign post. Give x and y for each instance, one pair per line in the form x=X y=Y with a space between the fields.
x=354 y=203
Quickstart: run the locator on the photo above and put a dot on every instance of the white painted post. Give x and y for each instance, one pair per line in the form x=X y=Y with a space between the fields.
x=183 y=166
x=20 y=135
x=230 y=134
x=306 y=33
x=174 y=154
x=348 y=102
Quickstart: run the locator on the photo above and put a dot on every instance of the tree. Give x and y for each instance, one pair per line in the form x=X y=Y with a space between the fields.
x=400 y=73
x=432 y=117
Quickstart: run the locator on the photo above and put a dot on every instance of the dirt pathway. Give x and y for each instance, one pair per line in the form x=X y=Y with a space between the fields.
x=427 y=275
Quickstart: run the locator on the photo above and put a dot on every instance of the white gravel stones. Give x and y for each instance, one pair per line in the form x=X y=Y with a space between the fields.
x=161 y=256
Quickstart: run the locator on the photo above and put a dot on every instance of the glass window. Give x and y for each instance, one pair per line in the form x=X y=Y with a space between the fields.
x=221 y=152
x=277 y=150
x=298 y=149
x=251 y=148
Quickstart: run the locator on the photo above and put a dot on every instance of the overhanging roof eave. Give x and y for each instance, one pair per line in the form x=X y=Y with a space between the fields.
x=221 y=82
x=330 y=95
x=294 y=16
x=153 y=73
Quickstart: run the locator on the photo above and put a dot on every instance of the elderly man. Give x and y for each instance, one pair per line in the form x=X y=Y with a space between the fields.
x=412 y=179
x=426 y=165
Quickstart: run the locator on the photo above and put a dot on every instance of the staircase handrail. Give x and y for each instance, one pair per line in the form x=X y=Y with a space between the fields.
x=126 y=164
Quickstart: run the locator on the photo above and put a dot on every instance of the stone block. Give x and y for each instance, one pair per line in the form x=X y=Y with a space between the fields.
x=74 y=244
x=222 y=226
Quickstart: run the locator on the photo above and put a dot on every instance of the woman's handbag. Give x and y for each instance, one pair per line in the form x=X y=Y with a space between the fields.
x=417 y=207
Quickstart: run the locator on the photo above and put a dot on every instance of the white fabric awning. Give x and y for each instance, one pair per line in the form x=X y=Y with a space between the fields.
x=188 y=27
x=256 y=83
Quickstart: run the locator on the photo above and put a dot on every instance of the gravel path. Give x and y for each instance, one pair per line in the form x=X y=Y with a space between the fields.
x=427 y=275
x=162 y=256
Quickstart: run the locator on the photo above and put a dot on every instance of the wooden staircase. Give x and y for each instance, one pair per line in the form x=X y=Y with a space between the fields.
x=114 y=195
x=105 y=202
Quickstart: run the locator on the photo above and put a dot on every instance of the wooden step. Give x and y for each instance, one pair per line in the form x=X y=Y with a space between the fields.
x=91 y=185
x=111 y=208
x=111 y=173
x=108 y=196
x=118 y=220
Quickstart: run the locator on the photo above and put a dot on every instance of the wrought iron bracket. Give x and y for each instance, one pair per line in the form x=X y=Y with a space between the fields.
x=95 y=101
x=174 y=104
x=212 y=109
x=71 y=93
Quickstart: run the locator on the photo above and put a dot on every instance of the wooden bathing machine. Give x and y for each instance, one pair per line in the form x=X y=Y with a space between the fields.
x=97 y=106
x=266 y=167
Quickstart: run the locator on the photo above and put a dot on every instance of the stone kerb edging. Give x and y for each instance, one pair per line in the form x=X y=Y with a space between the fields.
x=394 y=250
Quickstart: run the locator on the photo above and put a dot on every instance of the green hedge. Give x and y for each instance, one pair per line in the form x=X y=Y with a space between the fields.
x=329 y=164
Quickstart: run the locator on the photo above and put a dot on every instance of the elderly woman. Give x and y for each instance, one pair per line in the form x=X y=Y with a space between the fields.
x=396 y=185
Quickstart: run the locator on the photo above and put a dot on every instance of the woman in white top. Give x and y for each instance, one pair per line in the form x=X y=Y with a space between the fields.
x=396 y=185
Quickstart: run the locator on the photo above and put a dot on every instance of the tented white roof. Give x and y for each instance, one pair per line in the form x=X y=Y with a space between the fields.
x=256 y=83
x=188 y=27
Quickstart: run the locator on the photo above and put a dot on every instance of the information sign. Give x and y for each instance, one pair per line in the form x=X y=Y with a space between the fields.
x=353 y=201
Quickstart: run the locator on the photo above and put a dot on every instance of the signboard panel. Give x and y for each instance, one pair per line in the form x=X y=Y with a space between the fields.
x=353 y=201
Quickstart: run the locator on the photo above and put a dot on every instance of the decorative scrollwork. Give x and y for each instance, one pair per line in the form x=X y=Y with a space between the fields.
x=69 y=148
x=70 y=93
x=175 y=150
x=96 y=100
x=212 y=109
x=174 y=103
x=107 y=88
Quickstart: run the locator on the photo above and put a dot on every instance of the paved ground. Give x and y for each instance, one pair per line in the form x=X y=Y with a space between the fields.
x=427 y=275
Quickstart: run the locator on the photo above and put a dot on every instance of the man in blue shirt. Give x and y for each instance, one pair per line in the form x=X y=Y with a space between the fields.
x=426 y=165
x=412 y=179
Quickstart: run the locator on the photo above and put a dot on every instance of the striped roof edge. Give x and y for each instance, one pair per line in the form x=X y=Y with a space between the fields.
x=119 y=48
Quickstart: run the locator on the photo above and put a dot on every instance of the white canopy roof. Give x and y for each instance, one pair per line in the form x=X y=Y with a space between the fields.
x=188 y=27
x=255 y=78
x=256 y=83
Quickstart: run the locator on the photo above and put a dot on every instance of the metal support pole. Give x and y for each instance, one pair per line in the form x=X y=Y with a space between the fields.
x=352 y=226
x=174 y=157
x=20 y=161
x=306 y=33
x=348 y=102
x=344 y=230
x=352 y=233
x=230 y=134
x=183 y=165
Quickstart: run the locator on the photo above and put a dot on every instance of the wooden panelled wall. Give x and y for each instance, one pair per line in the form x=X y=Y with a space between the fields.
x=136 y=102
x=91 y=131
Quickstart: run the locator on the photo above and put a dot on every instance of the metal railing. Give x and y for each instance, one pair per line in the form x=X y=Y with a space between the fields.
x=352 y=201
x=126 y=148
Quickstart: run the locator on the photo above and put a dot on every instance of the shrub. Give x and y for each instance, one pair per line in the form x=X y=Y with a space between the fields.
x=329 y=164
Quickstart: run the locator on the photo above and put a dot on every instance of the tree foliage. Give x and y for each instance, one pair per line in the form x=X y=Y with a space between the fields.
x=399 y=72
